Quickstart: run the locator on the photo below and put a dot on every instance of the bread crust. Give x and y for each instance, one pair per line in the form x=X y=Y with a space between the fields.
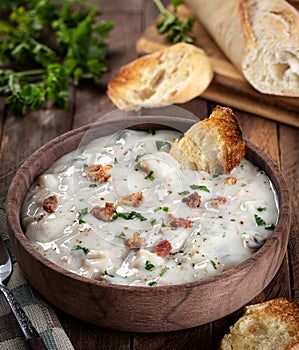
x=260 y=37
x=214 y=145
x=273 y=324
x=175 y=74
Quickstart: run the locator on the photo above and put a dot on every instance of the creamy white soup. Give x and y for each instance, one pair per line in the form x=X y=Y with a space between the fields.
x=121 y=210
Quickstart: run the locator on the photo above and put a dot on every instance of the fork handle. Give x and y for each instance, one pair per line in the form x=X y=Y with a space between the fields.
x=30 y=333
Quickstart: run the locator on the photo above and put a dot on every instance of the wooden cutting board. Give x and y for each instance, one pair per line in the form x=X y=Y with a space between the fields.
x=228 y=86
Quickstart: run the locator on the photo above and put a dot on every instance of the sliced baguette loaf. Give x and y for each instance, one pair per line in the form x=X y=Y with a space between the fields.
x=214 y=145
x=175 y=74
x=272 y=325
x=260 y=37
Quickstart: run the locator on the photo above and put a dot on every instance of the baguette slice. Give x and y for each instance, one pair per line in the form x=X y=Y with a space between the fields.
x=175 y=74
x=260 y=37
x=214 y=145
x=271 y=325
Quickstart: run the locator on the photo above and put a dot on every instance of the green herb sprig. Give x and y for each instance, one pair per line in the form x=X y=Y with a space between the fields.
x=150 y=176
x=79 y=247
x=81 y=215
x=149 y=266
x=129 y=216
x=171 y=26
x=199 y=187
x=162 y=144
x=163 y=271
x=46 y=45
x=213 y=264
x=152 y=283
x=260 y=222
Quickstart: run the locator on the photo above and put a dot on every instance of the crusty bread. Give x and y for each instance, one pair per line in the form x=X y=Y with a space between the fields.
x=214 y=144
x=271 y=325
x=175 y=74
x=260 y=37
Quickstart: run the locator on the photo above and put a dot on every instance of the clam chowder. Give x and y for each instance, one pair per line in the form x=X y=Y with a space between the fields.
x=121 y=210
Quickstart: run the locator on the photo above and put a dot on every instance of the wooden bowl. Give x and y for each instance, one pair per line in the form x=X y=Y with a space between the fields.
x=143 y=309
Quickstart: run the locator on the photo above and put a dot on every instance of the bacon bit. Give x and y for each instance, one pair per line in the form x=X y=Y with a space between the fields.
x=135 y=242
x=230 y=180
x=50 y=204
x=99 y=172
x=179 y=222
x=103 y=213
x=163 y=248
x=193 y=200
x=132 y=200
x=216 y=202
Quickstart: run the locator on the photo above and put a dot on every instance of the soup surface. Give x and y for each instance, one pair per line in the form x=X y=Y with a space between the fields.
x=121 y=210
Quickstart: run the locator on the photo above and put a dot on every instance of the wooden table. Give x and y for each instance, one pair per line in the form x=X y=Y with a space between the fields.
x=19 y=138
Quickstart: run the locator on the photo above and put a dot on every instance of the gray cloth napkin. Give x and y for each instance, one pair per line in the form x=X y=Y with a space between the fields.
x=39 y=312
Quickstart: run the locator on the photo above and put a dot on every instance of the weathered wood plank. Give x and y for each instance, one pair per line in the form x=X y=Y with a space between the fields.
x=91 y=100
x=262 y=133
x=87 y=336
x=21 y=137
x=289 y=148
x=190 y=339
x=121 y=6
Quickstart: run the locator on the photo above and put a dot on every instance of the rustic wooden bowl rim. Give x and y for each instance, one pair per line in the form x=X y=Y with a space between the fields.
x=21 y=237
x=147 y=309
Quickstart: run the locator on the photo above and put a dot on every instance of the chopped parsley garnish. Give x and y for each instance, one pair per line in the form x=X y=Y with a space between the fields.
x=215 y=176
x=161 y=144
x=152 y=283
x=79 y=247
x=152 y=132
x=92 y=185
x=269 y=227
x=130 y=216
x=150 y=176
x=261 y=208
x=259 y=221
x=115 y=161
x=121 y=235
x=85 y=166
x=183 y=193
x=81 y=215
x=199 y=187
x=149 y=266
x=198 y=233
x=165 y=208
x=139 y=156
x=213 y=264
x=163 y=271
x=153 y=222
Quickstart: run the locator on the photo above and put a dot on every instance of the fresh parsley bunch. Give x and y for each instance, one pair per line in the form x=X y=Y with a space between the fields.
x=44 y=46
x=171 y=26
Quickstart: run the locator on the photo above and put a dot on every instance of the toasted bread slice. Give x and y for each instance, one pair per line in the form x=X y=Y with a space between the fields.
x=271 y=325
x=175 y=74
x=214 y=145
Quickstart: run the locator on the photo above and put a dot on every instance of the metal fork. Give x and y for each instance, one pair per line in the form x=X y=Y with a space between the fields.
x=30 y=333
